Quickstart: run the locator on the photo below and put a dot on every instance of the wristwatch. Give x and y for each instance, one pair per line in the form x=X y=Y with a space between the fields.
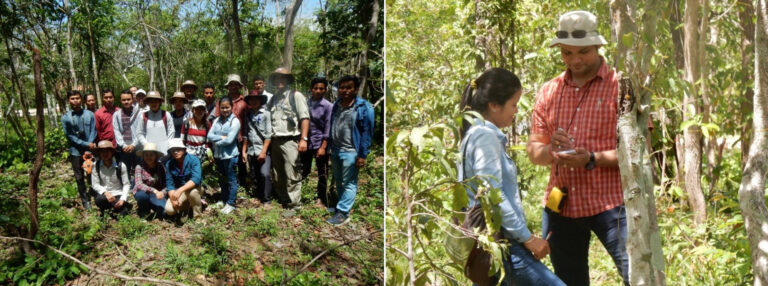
x=591 y=164
x=305 y=139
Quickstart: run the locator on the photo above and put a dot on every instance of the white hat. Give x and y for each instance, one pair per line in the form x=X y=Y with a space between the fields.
x=233 y=78
x=140 y=91
x=175 y=143
x=150 y=147
x=581 y=23
x=198 y=103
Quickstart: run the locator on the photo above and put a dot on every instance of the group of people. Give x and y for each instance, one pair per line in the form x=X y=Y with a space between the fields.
x=161 y=157
x=573 y=131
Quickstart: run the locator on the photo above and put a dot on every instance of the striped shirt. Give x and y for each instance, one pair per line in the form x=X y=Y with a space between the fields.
x=588 y=113
x=147 y=179
x=126 y=119
x=195 y=138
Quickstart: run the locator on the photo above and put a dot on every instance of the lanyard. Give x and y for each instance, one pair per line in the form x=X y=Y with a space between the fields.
x=570 y=122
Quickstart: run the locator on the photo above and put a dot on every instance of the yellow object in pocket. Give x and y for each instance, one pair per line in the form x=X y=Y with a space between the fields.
x=556 y=199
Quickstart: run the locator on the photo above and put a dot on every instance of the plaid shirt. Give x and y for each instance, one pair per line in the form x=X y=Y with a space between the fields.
x=593 y=127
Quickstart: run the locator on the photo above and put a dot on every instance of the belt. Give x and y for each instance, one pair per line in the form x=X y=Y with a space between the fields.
x=294 y=138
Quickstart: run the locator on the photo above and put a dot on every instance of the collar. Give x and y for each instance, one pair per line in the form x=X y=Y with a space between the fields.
x=602 y=72
x=72 y=111
x=496 y=131
x=113 y=165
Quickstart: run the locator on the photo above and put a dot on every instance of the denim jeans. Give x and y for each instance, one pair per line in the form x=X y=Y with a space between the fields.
x=521 y=268
x=229 y=180
x=569 y=242
x=262 y=178
x=345 y=177
x=146 y=202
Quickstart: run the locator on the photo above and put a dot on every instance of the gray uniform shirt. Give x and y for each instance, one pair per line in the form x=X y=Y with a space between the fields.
x=258 y=125
x=287 y=112
x=343 y=123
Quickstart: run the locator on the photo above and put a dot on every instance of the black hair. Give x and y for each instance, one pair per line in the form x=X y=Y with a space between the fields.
x=257 y=77
x=351 y=78
x=72 y=93
x=127 y=91
x=107 y=90
x=318 y=80
x=227 y=99
x=209 y=85
x=495 y=85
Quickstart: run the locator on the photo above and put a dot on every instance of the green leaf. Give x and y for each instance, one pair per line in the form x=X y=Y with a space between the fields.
x=627 y=39
x=417 y=136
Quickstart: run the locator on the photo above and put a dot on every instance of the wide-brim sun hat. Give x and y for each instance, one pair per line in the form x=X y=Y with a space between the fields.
x=253 y=93
x=179 y=95
x=175 y=143
x=189 y=82
x=151 y=148
x=233 y=78
x=281 y=72
x=153 y=95
x=105 y=145
x=578 y=28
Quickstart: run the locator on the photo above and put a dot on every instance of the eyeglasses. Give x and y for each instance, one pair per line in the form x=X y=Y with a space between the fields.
x=576 y=34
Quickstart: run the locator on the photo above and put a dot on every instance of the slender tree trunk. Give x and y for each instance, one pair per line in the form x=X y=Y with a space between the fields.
x=10 y=113
x=236 y=24
x=369 y=38
x=746 y=12
x=17 y=84
x=290 y=16
x=481 y=42
x=69 y=46
x=691 y=108
x=93 y=60
x=751 y=191
x=646 y=259
x=34 y=176
x=151 y=51
x=677 y=36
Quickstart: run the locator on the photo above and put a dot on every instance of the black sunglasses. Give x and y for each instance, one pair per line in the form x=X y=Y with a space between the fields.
x=576 y=34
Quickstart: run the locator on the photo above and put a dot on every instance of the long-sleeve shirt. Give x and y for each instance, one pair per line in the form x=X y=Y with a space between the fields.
x=147 y=179
x=288 y=109
x=224 y=148
x=176 y=176
x=80 y=129
x=109 y=181
x=319 y=122
x=154 y=129
x=238 y=109
x=122 y=132
x=104 y=129
x=486 y=157
x=362 y=131
x=258 y=126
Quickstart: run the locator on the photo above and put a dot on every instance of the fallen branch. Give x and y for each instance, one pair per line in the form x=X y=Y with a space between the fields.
x=326 y=251
x=94 y=269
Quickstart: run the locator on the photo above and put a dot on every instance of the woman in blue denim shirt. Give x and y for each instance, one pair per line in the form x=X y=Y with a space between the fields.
x=495 y=95
x=223 y=137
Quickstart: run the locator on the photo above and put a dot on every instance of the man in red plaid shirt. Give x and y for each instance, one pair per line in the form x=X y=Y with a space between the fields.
x=573 y=130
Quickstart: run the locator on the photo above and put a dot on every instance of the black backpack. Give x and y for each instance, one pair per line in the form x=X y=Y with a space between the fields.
x=119 y=171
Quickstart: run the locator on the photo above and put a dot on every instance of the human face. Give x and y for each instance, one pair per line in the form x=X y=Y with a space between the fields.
x=254 y=103
x=178 y=104
x=140 y=98
x=225 y=108
x=178 y=154
x=126 y=99
x=90 y=101
x=280 y=82
x=108 y=99
x=258 y=85
x=347 y=90
x=150 y=158
x=154 y=104
x=133 y=89
x=234 y=88
x=208 y=95
x=106 y=154
x=318 y=90
x=503 y=115
x=581 y=61
x=75 y=101
x=199 y=112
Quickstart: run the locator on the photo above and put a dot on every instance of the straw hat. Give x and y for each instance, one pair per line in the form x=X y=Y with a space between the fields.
x=233 y=78
x=189 y=82
x=578 y=28
x=150 y=147
x=281 y=71
x=105 y=144
x=179 y=95
x=153 y=95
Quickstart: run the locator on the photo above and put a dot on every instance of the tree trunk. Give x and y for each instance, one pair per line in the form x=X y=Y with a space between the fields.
x=34 y=176
x=69 y=46
x=751 y=196
x=646 y=259
x=746 y=11
x=481 y=63
x=290 y=16
x=236 y=24
x=93 y=59
x=17 y=84
x=151 y=51
x=692 y=108
x=10 y=113
x=369 y=38
x=677 y=37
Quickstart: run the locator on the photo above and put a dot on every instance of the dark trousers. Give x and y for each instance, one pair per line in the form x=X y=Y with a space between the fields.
x=130 y=160
x=322 y=174
x=106 y=207
x=77 y=167
x=569 y=242
x=262 y=177
x=146 y=202
x=242 y=171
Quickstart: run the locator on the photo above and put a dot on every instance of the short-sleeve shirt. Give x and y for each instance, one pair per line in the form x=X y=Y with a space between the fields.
x=588 y=113
x=287 y=110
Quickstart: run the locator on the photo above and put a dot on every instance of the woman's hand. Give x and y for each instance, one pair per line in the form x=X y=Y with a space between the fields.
x=538 y=246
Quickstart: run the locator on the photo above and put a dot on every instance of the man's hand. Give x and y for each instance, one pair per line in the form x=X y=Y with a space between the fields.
x=92 y=146
x=110 y=197
x=159 y=195
x=119 y=204
x=262 y=156
x=302 y=146
x=244 y=157
x=561 y=140
x=320 y=152
x=538 y=246
x=360 y=162
x=577 y=160
x=174 y=197
x=129 y=149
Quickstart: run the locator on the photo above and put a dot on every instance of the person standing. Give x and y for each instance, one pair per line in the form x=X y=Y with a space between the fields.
x=290 y=124
x=154 y=125
x=194 y=132
x=573 y=131
x=80 y=128
x=223 y=137
x=258 y=86
x=234 y=91
x=104 y=117
x=110 y=181
x=124 y=125
x=180 y=113
x=140 y=95
x=90 y=102
x=319 y=130
x=351 y=134
x=257 y=127
x=188 y=87
x=209 y=96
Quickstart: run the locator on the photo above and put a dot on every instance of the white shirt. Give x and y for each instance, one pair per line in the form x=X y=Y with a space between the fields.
x=269 y=96
x=109 y=182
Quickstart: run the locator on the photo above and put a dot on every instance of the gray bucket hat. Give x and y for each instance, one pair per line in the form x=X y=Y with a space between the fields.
x=578 y=28
x=233 y=78
x=281 y=71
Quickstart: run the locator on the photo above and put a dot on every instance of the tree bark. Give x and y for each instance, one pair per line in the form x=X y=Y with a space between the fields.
x=646 y=259
x=93 y=59
x=140 y=13
x=17 y=84
x=751 y=196
x=72 y=74
x=363 y=73
x=236 y=24
x=34 y=176
x=747 y=46
x=692 y=108
x=290 y=16
x=677 y=37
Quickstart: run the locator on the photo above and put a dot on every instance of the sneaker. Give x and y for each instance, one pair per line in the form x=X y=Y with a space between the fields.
x=338 y=219
x=218 y=205
x=227 y=209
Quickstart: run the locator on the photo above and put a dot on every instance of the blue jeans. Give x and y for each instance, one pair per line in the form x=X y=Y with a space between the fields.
x=521 y=268
x=569 y=243
x=229 y=182
x=146 y=202
x=345 y=176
